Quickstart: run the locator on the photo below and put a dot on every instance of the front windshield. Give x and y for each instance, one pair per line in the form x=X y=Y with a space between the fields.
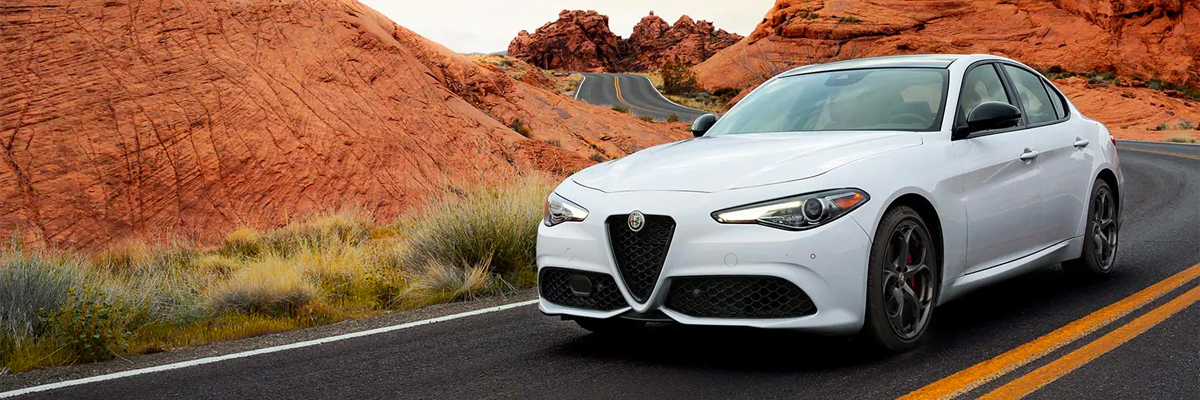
x=902 y=99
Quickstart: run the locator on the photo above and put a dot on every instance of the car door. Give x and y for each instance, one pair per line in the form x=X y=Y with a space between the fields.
x=1065 y=157
x=999 y=184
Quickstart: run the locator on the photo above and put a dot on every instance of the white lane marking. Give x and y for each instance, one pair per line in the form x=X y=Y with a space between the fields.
x=210 y=360
x=580 y=87
x=669 y=100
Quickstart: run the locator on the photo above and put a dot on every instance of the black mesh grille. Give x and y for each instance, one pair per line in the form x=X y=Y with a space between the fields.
x=640 y=255
x=738 y=297
x=553 y=286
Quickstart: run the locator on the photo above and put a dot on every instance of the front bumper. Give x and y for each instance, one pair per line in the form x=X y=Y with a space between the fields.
x=828 y=264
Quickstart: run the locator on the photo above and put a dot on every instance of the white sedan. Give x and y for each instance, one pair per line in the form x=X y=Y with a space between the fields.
x=843 y=198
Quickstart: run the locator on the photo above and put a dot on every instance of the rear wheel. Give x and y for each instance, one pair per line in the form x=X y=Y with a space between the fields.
x=1100 y=236
x=902 y=281
x=610 y=326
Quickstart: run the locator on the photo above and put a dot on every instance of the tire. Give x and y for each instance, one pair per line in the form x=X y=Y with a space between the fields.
x=610 y=326
x=1099 y=236
x=901 y=296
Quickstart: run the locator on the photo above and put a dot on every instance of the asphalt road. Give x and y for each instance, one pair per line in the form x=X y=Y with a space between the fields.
x=633 y=92
x=519 y=353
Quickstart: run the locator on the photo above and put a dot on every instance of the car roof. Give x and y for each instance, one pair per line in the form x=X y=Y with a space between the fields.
x=904 y=61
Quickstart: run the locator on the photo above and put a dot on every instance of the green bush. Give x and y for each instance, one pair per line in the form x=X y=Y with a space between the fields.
x=678 y=78
x=555 y=143
x=93 y=326
x=850 y=20
x=1186 y=125
x=646 y=118
x=1162 y=127
x=486 y=223
x=596 y=157
x=29 y=283
x=673 y=118
x=620 y=109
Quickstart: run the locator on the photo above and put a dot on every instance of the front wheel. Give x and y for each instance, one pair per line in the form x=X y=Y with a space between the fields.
x=902 y=281
x=1099 y=237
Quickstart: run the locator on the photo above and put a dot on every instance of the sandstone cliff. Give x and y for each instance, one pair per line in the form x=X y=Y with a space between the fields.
x=1143 y=39
x=121 y=118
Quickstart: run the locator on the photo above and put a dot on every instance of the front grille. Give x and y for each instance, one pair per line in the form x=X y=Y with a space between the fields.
x=554 y=287
x=640 y=255
x=738 y=297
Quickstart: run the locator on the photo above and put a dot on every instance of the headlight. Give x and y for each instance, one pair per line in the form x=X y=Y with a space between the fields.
x=796 y=213
x=559 y=210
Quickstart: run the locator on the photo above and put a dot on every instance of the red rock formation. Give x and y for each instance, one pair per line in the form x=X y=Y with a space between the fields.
x=582 y=41
x=133 y=117
x=578 y=41
x=654 y=41
x=1146 y=39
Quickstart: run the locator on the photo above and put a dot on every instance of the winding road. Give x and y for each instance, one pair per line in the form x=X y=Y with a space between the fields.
x=1134 y=335
x=634 y=92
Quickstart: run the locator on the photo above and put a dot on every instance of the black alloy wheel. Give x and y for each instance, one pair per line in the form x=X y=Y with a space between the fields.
x=902 y=282
x=1099 y=237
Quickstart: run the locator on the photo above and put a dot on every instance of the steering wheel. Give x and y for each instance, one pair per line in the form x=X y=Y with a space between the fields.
x=911 y=117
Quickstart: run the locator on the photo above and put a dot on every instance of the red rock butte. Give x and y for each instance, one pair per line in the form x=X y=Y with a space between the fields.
x=582 y=41
x=123 y=118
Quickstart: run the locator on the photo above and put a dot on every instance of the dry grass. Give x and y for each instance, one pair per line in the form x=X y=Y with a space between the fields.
x=311 y=271
x=272 y=286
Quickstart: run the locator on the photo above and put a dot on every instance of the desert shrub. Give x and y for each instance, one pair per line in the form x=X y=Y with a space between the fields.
x=596 y=157
x=678 y=77
x=555 y=143
x=673 y=118
x=467 y=227
x=646 y=118
x=29 y=283
x=271 y=286
x=350 y=226
x=1162 y=127
x=441 y=282
x=92 y=325
x=215 y=265
x=620 y=109
x=521 y=127
x=850 y=20
x=1181 y=139
x=1186 y=125
x=243 y=242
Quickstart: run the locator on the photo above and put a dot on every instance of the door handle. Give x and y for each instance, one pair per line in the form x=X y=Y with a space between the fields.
x=1029 y=155
x=1080 y=143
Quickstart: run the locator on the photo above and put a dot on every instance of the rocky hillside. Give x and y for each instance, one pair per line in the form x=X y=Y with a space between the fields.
x=582 y=41
x=1135 y=39
x=172 y=117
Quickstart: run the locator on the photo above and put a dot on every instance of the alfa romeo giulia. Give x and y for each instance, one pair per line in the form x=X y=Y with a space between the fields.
x=843 y=198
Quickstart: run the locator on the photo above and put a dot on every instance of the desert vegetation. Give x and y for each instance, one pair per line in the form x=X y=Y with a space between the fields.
x=136 y=297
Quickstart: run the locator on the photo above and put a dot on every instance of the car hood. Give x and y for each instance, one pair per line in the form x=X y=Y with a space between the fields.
x=711 y=164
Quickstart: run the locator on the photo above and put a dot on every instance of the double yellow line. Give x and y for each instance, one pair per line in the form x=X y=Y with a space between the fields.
x=617 y=85
x=966 y=380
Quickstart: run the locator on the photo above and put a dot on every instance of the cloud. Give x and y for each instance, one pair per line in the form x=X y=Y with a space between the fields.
x=487 y=26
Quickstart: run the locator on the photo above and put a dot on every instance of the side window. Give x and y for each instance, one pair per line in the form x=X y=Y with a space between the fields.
x=1038 y=108
x=1056 y=99
x=980 y=85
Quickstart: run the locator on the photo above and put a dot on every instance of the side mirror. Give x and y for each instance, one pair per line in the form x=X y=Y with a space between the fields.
x=702 y=124
x=990 y=115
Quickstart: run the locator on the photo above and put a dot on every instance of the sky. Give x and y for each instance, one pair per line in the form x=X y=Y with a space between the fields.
x=486 y=26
